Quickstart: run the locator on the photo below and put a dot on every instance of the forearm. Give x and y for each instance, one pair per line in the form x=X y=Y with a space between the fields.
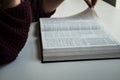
x=10 y=3
x=51 y=5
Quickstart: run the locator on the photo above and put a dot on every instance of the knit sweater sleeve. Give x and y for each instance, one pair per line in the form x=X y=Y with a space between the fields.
x=14 y=28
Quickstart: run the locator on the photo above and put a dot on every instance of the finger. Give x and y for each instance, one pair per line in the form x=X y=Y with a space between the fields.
x=88 y=3
x=94 y=2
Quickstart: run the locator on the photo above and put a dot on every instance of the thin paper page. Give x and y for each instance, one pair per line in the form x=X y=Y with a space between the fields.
x=88 y=14
x=49 y=24
x=70 y=39
x=69 y=33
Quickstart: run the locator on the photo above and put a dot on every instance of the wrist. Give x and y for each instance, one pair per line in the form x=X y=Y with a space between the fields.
x=51 y=5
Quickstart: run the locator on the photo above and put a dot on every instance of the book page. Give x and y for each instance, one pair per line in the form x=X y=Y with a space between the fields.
x=88 y=14
x=58 y=33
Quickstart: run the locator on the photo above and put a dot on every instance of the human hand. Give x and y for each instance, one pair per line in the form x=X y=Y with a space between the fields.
x=9 y=3
x=51 y=5
x=91 y=3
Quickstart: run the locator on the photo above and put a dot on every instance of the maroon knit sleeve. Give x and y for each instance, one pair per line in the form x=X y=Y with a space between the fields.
x=37 y=10
x=14 y=28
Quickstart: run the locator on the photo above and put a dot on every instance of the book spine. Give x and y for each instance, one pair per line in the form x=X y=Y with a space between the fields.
x=41 y=45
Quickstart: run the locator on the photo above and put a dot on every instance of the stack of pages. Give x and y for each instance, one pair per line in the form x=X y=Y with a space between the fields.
x=79 y=37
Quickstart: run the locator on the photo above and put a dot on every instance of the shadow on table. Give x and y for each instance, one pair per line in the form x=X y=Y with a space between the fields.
x=3 y=65
x=38 y=41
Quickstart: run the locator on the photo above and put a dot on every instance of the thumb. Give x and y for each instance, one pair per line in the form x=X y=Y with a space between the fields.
x=88 y=2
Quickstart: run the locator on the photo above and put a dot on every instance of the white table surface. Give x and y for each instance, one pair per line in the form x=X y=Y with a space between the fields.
x=27 y=66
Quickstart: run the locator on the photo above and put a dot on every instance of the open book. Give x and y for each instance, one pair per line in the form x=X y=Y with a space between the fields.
x=78 y=37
